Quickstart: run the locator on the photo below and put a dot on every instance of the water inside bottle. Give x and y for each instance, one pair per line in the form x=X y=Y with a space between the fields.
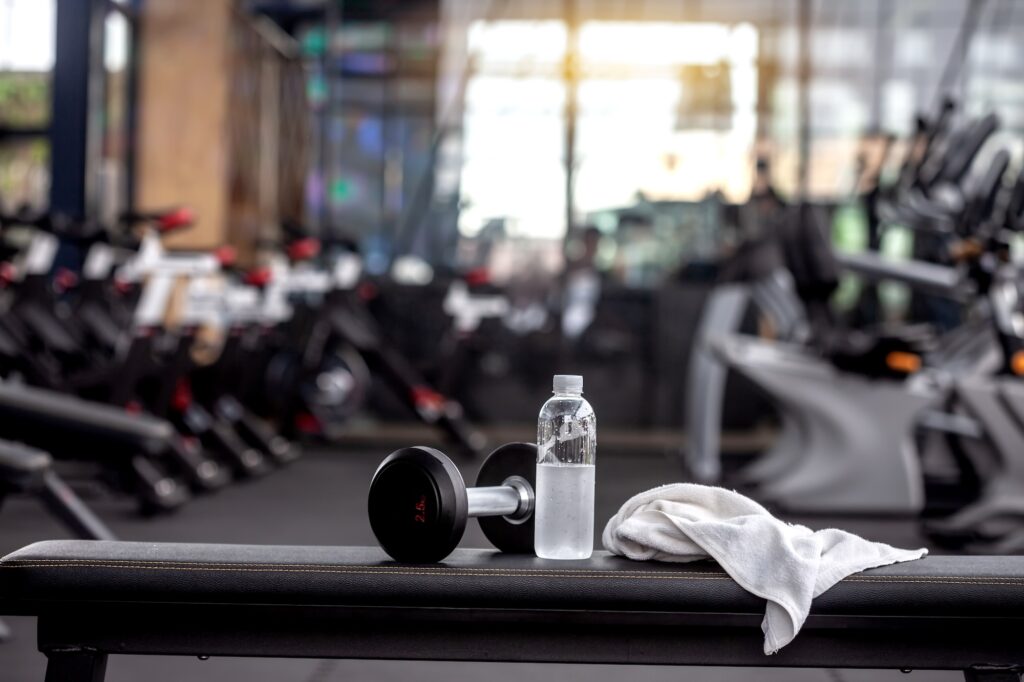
x=565 y=522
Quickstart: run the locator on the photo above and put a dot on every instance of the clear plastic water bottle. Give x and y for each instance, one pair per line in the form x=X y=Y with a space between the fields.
x=566 y=458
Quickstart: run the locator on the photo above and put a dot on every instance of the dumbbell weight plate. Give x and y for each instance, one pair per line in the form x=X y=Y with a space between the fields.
x=417 y=505
x=512 y=459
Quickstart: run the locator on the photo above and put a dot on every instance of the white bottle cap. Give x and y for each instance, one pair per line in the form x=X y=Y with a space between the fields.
x=567 y=383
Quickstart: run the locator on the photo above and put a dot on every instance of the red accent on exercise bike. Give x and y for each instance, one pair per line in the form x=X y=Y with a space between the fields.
x=308 y=423
x=8 y=273
x=65 y=280
x=123 y=287
x=367 y=291
x=304 y=249
x=426 y=397
x=259 y=277
x=174 y=220
x=182 y=395
x=478 y=277
x=226 y=255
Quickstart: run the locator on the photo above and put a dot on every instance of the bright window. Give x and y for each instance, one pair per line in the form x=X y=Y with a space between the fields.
x=664 y=109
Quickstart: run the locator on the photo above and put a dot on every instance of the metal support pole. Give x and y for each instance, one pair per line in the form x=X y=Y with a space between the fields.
x=571 y=75
x=63 y=503
x=804 y=91
x=75 y=665
x=883 y=60
x=953 y=69
x=77 y=91
x=132 y=123
x=324 y=150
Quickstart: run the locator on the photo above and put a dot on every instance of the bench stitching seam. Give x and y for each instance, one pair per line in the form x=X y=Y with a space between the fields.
x=373 y=570
x=117 y=563
x=15 y=563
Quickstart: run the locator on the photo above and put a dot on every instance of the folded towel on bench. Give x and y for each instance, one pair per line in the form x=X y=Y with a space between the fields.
x=786 y=564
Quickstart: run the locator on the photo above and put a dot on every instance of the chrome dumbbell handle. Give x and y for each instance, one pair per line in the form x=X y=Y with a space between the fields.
x=513 y=499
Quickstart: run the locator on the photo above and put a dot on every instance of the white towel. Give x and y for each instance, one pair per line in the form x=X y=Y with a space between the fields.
x=786 y=564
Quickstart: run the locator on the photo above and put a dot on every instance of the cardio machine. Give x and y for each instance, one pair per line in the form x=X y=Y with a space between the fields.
x=849 y=417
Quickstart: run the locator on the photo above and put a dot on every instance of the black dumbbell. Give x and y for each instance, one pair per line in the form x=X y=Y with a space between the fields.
x=419 y=503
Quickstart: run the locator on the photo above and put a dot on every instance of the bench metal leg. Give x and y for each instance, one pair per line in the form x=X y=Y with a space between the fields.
x=75 y=665
x=69 y=508
x=993 y=673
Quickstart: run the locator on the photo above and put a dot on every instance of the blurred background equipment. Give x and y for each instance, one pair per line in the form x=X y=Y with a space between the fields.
x=249 y=247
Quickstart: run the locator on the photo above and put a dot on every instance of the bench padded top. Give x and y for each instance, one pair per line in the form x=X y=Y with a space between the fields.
x=49 y=574
x=49 y=416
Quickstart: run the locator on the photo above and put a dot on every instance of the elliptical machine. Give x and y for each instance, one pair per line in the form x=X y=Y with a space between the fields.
x=849 y=414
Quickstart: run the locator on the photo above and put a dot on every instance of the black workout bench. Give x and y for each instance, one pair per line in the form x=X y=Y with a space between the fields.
x=95 y=598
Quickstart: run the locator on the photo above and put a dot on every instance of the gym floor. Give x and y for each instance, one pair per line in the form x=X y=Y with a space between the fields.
x=320 y=500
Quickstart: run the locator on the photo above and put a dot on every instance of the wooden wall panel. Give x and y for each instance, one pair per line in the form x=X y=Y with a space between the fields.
x=183 y=145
